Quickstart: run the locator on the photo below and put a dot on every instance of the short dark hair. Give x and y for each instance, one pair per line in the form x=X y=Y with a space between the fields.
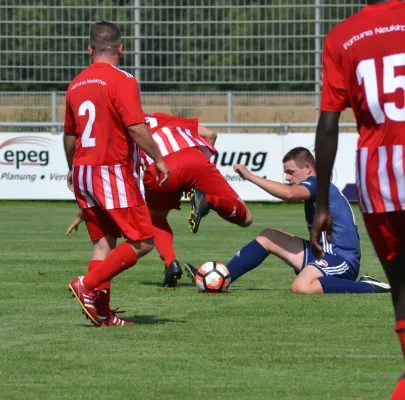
x=105 y=38
x=301 y=156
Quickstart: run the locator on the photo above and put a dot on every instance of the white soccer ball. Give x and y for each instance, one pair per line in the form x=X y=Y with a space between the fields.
x=212 y=277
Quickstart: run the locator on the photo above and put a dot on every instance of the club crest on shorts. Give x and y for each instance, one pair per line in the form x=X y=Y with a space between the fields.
x=321 y=263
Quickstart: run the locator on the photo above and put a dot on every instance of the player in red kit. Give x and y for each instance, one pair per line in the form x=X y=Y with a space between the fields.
x=104 y=125
x=187 y=148
x=364 y=67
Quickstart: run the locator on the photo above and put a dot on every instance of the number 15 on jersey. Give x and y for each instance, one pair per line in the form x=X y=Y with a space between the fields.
x=366 y=72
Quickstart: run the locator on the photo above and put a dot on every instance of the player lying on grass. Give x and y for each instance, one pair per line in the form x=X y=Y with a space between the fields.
x=337 y=271
x=187 y=148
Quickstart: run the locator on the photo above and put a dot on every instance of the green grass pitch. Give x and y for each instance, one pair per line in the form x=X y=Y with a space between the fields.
x=257 y=342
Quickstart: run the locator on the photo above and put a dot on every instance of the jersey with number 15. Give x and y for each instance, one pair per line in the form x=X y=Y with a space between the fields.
x=364 y=68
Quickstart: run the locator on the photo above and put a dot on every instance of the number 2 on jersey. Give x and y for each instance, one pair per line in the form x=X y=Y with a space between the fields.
x=366 y=70
x=88 y=141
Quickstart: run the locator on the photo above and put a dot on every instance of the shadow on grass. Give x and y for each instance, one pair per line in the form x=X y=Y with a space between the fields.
x=152 y=320
x=159 y=285
x=242 y=289
x=144 y=320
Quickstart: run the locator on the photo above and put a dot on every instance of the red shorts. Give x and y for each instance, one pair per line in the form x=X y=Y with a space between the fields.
x=387 y=233
x=134 y=223
x=189 y=168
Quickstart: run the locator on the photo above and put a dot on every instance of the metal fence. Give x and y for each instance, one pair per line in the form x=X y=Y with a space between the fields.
x=256 y=60
x=210 y=107
x=172 y=43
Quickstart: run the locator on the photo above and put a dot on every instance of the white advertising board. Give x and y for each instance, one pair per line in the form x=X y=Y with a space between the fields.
x=261 y=153
x=33 y=165
x=269 y=149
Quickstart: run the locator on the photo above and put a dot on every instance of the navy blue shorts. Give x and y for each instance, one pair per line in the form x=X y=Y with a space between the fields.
x=330 y=265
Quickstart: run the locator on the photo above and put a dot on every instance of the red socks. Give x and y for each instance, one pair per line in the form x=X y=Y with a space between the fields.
x=93 y=264
x=400 y=329
x=103 y=292
x=232 y=210
x=399 y=392
x=120 y=259
x=164 y=239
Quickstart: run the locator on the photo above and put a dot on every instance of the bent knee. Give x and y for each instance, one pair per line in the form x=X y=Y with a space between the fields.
x=248 y=221
x=299 y=287
x=143 y=247
x=269 y=233
x=148 y=245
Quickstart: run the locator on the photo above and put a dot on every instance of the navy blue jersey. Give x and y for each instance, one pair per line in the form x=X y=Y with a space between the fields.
x=345 y=237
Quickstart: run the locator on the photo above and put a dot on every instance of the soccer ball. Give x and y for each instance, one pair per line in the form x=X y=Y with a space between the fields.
x=212 y=277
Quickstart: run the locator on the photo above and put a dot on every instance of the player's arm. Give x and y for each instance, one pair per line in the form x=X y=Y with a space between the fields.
x=141 y=135
x=326 y=143
x=69 y=141
x=77 y=220
x=128 y=105
x=292 y=194
x=334 y=100
x=207 y=134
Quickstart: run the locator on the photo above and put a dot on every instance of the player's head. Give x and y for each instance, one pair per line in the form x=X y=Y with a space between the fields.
x=299 y=164
x=105 y=40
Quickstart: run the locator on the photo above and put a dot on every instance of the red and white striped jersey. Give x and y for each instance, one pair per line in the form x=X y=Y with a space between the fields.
x=364 y=68
x=107 y=186
x=381 y=179
x=101 y=102
x=173 y=134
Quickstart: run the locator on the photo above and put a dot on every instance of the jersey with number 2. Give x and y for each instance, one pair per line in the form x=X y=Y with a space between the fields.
x=364 y=68
x=101 y=102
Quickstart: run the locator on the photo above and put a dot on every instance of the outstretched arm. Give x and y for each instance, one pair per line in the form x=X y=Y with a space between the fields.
x=292 y=194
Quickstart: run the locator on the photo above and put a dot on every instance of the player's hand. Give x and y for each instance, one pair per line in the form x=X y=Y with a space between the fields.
x=242 y=170
x=70 y=181
x=77 y=220
x=322 y=222
x=162 y=169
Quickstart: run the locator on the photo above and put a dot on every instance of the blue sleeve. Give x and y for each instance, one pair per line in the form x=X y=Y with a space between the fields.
x=310 y=184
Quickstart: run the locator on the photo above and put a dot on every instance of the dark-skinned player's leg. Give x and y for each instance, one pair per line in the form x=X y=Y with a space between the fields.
x=395 y=271
x=387 y=233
